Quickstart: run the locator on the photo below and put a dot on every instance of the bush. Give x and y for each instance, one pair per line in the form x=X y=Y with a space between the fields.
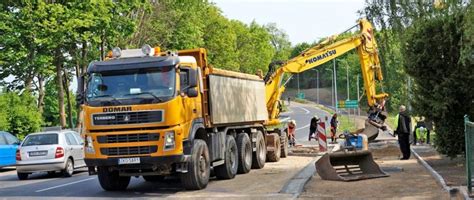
x=20 y=115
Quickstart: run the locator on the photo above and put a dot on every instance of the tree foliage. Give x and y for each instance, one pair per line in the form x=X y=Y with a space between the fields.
x=22 y=116
x=433 y=45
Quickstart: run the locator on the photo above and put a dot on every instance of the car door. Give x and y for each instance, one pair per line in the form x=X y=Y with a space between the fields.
x=80 y=158
x=74 y=148
x=4 y=150
x=12 y=142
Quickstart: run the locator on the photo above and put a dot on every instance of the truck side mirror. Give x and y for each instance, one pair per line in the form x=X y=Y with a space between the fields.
x=192 y=78
x=192 y=92
x=80 y=91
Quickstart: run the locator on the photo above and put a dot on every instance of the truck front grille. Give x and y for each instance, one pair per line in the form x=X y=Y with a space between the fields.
x=120 y=118
x=119 y=151
x=121 y=138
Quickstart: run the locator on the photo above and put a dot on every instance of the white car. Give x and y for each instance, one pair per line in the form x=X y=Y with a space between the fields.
x=50 y=151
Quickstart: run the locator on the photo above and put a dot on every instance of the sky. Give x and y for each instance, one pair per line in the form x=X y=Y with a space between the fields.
x=302 y=20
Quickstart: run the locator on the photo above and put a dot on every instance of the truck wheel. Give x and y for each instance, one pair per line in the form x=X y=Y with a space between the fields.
x=229 y=169
x=22 y=176
x=197 y=176
x=111 y=181
x=284 y=145
x=156 y=178
x=274 y=156
x=245 y=153
x=260 y=154
x=69 y=168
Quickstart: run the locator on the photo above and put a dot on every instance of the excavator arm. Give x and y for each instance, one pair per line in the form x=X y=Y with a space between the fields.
x=323 y=52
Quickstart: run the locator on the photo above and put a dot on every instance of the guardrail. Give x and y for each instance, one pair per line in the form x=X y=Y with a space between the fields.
x=469 y=138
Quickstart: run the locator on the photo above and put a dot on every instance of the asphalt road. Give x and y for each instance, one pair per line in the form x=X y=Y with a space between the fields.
x=302 y=114
x=265 y=183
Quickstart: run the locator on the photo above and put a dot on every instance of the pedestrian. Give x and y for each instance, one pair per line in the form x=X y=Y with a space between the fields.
x=289 y=99
x=291 y=132
x=334 y=124
x=403 y=124
x=313 y=127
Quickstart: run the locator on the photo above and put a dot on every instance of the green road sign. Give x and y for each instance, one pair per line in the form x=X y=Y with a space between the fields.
x=347 y=104
x=300 y=95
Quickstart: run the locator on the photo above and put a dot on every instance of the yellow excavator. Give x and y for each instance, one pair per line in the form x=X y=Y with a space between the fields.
x=344 y=165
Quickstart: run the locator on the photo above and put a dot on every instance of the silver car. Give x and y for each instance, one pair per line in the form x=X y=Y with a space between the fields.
x=50 y=151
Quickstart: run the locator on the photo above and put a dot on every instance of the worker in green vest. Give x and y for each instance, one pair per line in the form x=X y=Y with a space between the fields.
x=421 y=134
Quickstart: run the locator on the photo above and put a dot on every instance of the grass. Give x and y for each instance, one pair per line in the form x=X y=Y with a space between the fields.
x=298 y=100
x=345 y=123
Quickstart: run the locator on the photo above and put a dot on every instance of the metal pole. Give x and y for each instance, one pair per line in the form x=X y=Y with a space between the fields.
x=335 y=83
x=358 y=95
x=347 y=78
x=409 y=94
x=317 y=84
x=298 y=77
x=332 y=91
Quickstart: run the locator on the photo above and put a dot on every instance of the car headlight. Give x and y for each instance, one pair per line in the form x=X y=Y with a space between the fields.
x=169 y=140
x=89 y=145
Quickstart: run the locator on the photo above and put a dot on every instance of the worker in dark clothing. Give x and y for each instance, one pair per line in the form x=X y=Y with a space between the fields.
x=334 y=124
x=313 y=127
x=403 y=122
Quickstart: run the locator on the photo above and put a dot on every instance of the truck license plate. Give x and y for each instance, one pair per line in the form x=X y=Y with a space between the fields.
x=124 y=161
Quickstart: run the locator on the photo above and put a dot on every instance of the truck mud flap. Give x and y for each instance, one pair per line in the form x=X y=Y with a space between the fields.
x=348 y=166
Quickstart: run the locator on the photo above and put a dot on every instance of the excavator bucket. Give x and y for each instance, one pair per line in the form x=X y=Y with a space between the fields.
x=348 y=166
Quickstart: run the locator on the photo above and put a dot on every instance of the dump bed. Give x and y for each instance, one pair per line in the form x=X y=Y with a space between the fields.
x=236 y=98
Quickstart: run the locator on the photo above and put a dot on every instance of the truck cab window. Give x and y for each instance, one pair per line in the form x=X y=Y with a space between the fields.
x=184 y=78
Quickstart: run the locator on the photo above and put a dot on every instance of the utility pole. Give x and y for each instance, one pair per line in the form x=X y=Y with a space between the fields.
x=298 y=77
x=335 y=83
x=317 y=84
x=409 y=94
x=358 y=95
x=347 y=78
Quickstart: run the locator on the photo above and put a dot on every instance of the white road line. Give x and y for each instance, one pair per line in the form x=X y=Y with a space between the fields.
x=66 y=184
x=306 y=110
x=302 y=127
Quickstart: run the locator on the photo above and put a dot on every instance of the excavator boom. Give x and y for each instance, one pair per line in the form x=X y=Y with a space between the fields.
x=342 y=166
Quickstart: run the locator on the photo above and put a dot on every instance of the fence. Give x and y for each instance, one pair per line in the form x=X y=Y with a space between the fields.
x=469 y=137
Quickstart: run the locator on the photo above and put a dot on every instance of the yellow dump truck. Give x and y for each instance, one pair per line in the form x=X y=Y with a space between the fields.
x=154 y=114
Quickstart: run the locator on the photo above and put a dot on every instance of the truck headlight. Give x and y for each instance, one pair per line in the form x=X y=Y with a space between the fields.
x=89 y=144
x=169 y=140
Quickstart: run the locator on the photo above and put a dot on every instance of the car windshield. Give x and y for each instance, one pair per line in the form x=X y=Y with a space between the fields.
x=134 y=86
x=42 y=139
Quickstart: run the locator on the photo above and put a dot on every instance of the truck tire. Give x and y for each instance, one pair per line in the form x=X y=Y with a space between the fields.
x=245 y=153
x=154 y=178
x=111 y=181
x=229 y=169
x=22 y=176
x=198 y=173
x=260 y=154
x=284 y=145
x=274 y=156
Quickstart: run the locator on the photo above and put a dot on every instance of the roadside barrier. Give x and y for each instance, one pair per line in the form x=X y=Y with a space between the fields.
x=322 y=139
x=469 y=137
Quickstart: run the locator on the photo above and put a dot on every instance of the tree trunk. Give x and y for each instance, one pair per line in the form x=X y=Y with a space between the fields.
x=68 y=98
x=62 y=114
x=41 y=93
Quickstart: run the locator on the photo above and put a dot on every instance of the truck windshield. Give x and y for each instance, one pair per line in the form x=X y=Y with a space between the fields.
x=133 y=86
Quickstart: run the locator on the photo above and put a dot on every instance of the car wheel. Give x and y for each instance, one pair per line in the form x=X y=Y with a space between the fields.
x=69 y=169
x=22 y=176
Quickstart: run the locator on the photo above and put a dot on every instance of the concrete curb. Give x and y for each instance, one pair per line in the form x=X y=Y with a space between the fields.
x=296 y=184
x=452 y=190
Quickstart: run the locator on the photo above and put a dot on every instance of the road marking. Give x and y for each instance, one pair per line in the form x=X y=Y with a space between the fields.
x=306 y=110
x=66 y=184
x=303 y=127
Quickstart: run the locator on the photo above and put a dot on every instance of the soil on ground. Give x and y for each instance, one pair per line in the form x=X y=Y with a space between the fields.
x=451 y=169
x=408 y=180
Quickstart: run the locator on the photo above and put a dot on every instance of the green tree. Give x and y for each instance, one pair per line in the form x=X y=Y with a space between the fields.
x=23 y=116
x=280 y=42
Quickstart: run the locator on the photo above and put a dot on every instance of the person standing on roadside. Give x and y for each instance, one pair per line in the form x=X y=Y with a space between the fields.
x=334 y=124
x=403 y=124
x=313 y=127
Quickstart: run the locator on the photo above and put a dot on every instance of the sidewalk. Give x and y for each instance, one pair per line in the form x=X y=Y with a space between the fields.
x=452 y=172
x=408 y=180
